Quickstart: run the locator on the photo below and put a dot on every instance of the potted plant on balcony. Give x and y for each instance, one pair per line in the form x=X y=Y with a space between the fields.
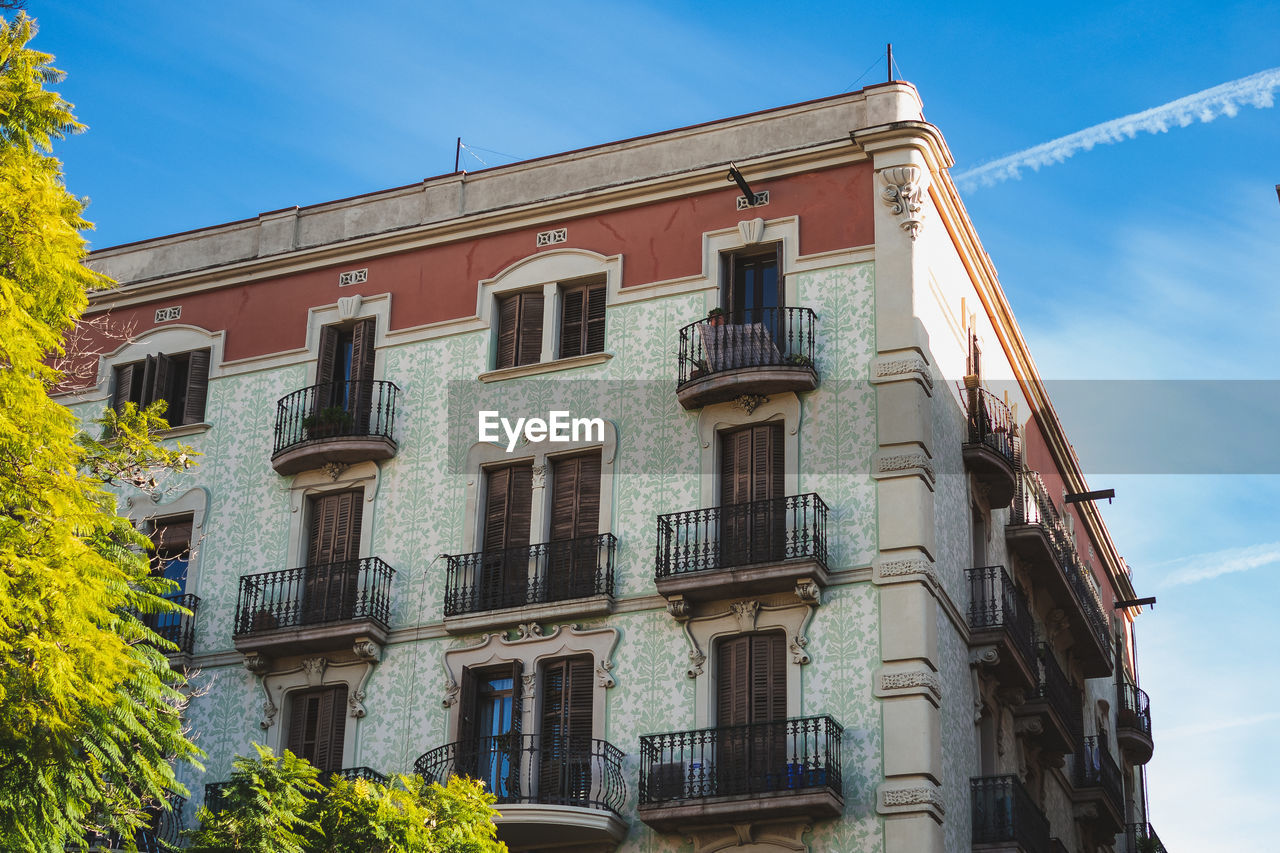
x=715 y=317
x=328 y=422
x=796 y=359
x=700 y=369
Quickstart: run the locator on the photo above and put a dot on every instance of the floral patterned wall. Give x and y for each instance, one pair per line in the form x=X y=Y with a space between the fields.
x=419 y=513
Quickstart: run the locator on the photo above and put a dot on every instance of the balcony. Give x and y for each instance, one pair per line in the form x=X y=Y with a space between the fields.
x=177 y=628
x=1099 y=792
x=314 y=608
x=756 y=772
x=555 y=580
x=1053 y=712
x=215 y=793
x=999 y=618
x=162 y=832
x=1038 y=535
x=988 y=449
x=757 y=547
x=758 y=351
x=1005 y=818
x=1133 y=723
x=553 y=791
x=1141 y=838
x=341 y=422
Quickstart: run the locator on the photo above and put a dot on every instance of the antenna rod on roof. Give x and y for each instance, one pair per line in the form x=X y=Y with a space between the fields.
x=890 y=62
x=457 y=154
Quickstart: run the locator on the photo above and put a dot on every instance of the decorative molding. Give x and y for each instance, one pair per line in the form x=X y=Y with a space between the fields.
x=333 y=470
x=257 y=663
x=603 y=678
x=772 y=836
x=902 y=570
x=269 y=710
x=164 y=315
x=550 y=238
x=897 y=464
x=984 y=656
x=351 y=277
x=911 y=681
x=752 y=230
x=355 y=703
x=528 y=685
x=349 y=307
x=808 y=591
x=678 y=607
x=920 y=798
x=367 y=650
x=749 y=402
x=899 y=368
x=760 y=200
x=745 y=612
x=313 y=669
x=528 y=630
x=904 y=188
x=797 y=648
x=539 y=479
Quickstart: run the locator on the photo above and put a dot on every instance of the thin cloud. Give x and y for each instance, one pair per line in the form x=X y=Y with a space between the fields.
x=1203 y=567
x=1205 y=106
x=1197 y=729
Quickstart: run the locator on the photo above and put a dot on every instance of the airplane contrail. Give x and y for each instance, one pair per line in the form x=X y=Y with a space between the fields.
x=1223 y=100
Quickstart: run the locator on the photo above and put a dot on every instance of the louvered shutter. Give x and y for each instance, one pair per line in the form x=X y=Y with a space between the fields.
x=573 y=561
x=594 y=335
x=360 y=388
x=160 y=389
x=508 y=328
x=466 y=734
x=572 y=314
x=508 y=515
x=567 y=705
x=331 y=728
x=124 y=386
x=197 y=387
x=530 y=346
x=296 y=741
x=327 y=364
x=520 y=508
x=148 y=382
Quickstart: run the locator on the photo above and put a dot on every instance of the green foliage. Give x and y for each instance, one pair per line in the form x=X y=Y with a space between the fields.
x=275 y=804
x=89 y=708
x=328 y=420
x=266 y=806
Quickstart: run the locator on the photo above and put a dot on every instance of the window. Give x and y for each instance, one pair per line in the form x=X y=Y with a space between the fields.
x=172 y=555
x=489 y=727
x=508 y=514
x=582 y=319
x=750 y=285
x=520 y=329
x=564 y=760
x=524 y=316
x=180 y=380
x=317 y=726
x=346 y=364
x=575 y=526
x=752 y=505
x=751 y=690
x=331 y=582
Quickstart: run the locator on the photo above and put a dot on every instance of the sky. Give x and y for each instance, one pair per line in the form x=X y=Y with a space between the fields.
x=1154 y=257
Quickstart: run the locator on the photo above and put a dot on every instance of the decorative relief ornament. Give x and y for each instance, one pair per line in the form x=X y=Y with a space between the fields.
x=257 y=663
x=527 y=630
x=367 y=650
x=333 y=470
x=355 y=704
x=904 y=193
x=539 y=478
x=752 y=230
x=313 y=669
x=750 y=402
x=746 y=612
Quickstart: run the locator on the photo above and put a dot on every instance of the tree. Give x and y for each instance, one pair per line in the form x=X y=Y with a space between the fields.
x=90 y=722
x=274 y=804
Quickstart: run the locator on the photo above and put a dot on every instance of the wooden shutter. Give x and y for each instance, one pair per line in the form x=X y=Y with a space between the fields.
x=508 y=507
x=335 y=527
x=331 y=728
x=124 y=385
x=297 y=724
x=362 y=350
x=160 y=389
x=751 y=675
x=148 y=382
x=567 y=705
x=466 y=734
x=197 y=387
x=582 y=320
x=752 y=463
x=575 y=496
x=325 y=367
x=508 y=327
x=733 y=682
x=530 y=344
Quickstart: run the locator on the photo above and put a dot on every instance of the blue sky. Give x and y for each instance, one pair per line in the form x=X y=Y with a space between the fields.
x=1153 y=258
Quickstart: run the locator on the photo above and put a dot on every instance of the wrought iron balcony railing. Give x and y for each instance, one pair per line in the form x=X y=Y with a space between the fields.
x=759 y=337
x=990 y=422
x=722 y=537
x=1004 y=812
x=995 y=602
x=1141 y=838
x=1095 y=768
x=784 y=755
x=1134 y=707
x=560 y=770
x=1032 y=505
x=359 y=408
x=350 y=591
x=1065 y=699
x=533 y=574
x=177 y=628
x=163 y=831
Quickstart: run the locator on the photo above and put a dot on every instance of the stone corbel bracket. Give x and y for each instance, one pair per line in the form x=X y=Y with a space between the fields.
x=904 y=189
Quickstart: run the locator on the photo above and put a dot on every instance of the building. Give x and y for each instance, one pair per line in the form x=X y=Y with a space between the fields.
x=803 y=574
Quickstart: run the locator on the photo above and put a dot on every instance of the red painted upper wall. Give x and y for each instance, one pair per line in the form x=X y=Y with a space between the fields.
x=658 y=242
x=1038 y=458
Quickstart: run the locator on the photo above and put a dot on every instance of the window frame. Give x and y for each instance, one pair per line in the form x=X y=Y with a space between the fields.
x=156 y=369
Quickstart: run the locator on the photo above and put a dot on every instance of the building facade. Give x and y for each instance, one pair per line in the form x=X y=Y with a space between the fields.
x=792 y=556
